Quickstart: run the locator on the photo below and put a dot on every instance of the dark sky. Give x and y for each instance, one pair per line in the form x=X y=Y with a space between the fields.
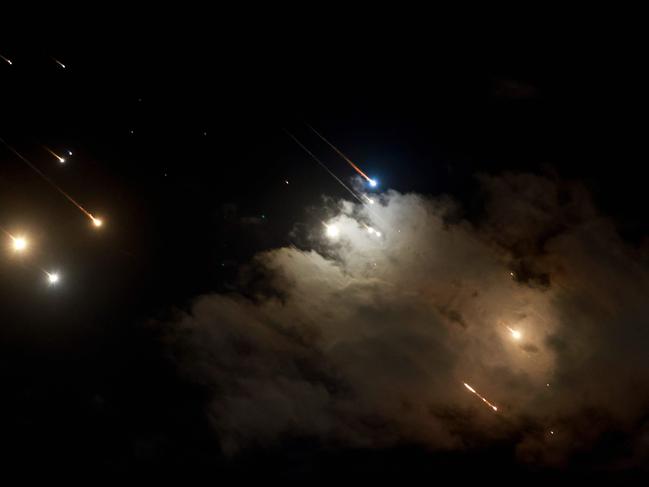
x=179 y=145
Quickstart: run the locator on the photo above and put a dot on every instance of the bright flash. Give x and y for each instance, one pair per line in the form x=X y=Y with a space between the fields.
x=52 y=277
x=61 y=160
x=373 y=183
x=97 y=222
x=516 y=334
x=332 y=231
x=20 y=244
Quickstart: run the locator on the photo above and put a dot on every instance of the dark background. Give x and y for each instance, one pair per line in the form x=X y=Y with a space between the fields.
x=87 y=384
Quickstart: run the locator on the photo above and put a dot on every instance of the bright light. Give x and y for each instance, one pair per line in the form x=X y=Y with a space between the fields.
x=53 y=277
x=61 y=160
x=97 y=222
x=20 y=244
x=373 y=183
x=372 y=231
x=332 y=231
x=69 y=152
x=516 y=335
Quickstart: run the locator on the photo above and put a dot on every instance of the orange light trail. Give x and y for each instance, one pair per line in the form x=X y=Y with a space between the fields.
x=483 y=399
x=51 y=183
x=356 y=168
x=322 y=164
x=61 y=159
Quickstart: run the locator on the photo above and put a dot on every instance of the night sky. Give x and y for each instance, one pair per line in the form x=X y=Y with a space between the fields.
x=211 y=329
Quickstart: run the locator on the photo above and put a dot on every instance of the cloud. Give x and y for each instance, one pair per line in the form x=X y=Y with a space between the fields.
x=366 y=340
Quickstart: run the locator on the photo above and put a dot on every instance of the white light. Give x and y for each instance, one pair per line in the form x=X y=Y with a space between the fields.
x=372 y=183
x=516 y=335
x=20 y=244
x=371 y=231
x=53 y=277
x=61 y=160
x=69 y=152
x=97 y=222
x=332 y=231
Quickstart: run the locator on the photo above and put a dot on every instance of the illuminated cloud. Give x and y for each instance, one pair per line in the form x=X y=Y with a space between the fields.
x=369 y=341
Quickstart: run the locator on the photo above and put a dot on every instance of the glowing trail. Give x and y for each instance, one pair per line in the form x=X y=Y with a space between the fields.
x=61 y=159
x=483 y=399
x=96 y=221
x=356 y=168
x=59 y=62
x=324 y=166
x=6 y=59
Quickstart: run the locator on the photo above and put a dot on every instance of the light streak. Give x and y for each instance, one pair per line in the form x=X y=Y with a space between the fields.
x=61 y=159
x=50 y=182
x=483 y=399
x=324 y=166
x=340 y=153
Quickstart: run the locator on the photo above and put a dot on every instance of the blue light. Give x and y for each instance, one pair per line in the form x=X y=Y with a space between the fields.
x=373 y=183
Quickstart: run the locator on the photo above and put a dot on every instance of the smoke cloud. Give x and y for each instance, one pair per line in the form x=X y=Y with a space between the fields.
x=366 y=340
